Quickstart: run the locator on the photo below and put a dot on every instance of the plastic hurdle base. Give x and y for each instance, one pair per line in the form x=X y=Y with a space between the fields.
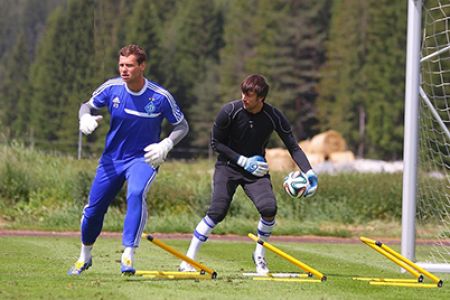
x=289 y=277
x=415 y=270
x=174 y=275
x=286 y=277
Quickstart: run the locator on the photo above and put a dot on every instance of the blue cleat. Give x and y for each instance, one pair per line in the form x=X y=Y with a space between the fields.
x=126 y=267
x=79 y=267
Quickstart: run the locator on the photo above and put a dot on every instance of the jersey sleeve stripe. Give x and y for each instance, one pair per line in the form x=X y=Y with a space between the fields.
x=175 y=110
x=111 y=82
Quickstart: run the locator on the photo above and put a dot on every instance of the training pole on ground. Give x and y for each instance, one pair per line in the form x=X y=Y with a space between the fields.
x=309 y=270
x=177 y=275
x=415 y=270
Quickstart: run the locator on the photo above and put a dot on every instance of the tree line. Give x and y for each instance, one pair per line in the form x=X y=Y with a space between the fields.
x=331 y=64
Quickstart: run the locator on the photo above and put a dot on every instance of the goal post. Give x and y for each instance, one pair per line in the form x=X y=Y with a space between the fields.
x=411 y=129
x=426 y=154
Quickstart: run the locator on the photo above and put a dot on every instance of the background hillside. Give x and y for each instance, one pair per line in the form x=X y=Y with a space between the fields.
x=331 y=65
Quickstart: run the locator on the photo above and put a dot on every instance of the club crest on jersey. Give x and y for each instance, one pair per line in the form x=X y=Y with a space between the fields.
x=116 y=102
x=150 y=108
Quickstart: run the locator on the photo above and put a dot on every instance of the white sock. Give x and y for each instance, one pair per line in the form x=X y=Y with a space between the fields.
x=264 y=232
x=85 y=253
x=201 y=234
x=128 y=253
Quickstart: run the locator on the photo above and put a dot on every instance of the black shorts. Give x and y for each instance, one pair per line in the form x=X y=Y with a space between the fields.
x=227 y=178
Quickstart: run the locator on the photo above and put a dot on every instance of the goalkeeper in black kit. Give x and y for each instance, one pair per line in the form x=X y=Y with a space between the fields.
x=240 y=135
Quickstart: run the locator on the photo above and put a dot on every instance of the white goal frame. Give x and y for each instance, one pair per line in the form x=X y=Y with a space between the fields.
x=411 y=133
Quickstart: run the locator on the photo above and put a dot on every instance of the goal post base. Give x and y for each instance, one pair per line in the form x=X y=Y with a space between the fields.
x=434 y=267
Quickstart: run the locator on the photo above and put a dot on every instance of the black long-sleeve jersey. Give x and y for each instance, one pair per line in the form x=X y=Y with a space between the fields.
x=238 y=132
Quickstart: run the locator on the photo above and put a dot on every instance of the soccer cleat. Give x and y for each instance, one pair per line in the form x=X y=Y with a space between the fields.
x=126 y=267
x=185 y=267
x=261 y=264
x=79 y=267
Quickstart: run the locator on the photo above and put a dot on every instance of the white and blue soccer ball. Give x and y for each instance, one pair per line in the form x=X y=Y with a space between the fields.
x=295 y=184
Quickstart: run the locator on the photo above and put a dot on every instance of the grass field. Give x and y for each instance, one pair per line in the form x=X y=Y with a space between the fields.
x=35 y=268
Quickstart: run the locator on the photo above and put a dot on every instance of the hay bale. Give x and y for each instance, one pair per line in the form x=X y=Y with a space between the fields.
x=315 y=158
x=279 y=159
x=341 y=156
x=328 y=142
x=305 y=145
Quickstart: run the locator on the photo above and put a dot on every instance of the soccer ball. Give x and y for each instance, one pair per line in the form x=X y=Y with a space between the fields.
x=295 y=184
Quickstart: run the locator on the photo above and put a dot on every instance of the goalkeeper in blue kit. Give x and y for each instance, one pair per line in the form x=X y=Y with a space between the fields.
x=133 y=151
x=240 y=135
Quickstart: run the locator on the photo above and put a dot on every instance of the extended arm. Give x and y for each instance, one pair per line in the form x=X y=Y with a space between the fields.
x=298 y=155
x=302 y=162
x=88 y=122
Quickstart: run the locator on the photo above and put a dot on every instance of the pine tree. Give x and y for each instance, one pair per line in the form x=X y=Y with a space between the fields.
x=192 y=42
x=61 y=76
x=21 y=25
x=240 y=38
x=385 y=66
x=145 y=29
x=13 y=88
x=341 y=103
x=284 y=41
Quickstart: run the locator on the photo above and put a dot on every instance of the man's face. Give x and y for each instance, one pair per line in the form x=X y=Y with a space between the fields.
x=129 y=69
x=252 y=103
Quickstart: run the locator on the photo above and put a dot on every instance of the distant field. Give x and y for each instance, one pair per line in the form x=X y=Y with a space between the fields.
x=35 y=268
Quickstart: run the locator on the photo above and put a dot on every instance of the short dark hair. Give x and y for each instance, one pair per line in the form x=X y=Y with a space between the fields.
x=255 y=83
x=135 y=50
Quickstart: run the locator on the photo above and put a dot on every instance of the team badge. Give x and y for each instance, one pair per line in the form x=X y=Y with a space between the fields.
x=116 y=102
x=150 y=108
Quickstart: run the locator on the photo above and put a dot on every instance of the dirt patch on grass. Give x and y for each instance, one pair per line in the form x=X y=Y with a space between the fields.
x=188 y=236
x=225 y=237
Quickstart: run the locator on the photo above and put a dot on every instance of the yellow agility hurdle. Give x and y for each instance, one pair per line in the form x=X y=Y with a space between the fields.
x=204 y=272
x=309 y=270
x=415 y=270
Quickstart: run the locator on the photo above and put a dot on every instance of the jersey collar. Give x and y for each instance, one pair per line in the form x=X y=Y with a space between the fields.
x=140 y=92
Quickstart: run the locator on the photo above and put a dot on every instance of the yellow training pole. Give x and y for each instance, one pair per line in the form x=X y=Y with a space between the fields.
x=397 y=261
x=418 y=268
x=286 y=279
x=289 y=258
x=181 y=256
x=172 y=275
x=404 y=284
x=398 y=280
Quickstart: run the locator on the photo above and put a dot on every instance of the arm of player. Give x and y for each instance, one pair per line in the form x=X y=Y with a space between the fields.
x=156 y=153
x=297 y=154
x=303 y=163
x=88 y=123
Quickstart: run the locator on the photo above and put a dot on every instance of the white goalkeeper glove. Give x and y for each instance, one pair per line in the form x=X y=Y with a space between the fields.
x=156 y=153
x=313 y=182
x=88 y=123
x=255 y=165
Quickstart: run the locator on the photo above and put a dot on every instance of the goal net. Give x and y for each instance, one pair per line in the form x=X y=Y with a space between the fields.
x=433 y=152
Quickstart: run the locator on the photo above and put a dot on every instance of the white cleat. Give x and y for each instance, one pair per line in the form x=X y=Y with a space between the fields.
x=261 y=265
x=185 y=267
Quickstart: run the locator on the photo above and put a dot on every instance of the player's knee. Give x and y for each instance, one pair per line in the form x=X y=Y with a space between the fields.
x=217 y=214
x=268 y=211
x=94 y=212
x=216 y=217
x=134 y=193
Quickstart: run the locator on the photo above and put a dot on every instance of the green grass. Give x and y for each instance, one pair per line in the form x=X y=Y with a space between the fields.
x=35 y=268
